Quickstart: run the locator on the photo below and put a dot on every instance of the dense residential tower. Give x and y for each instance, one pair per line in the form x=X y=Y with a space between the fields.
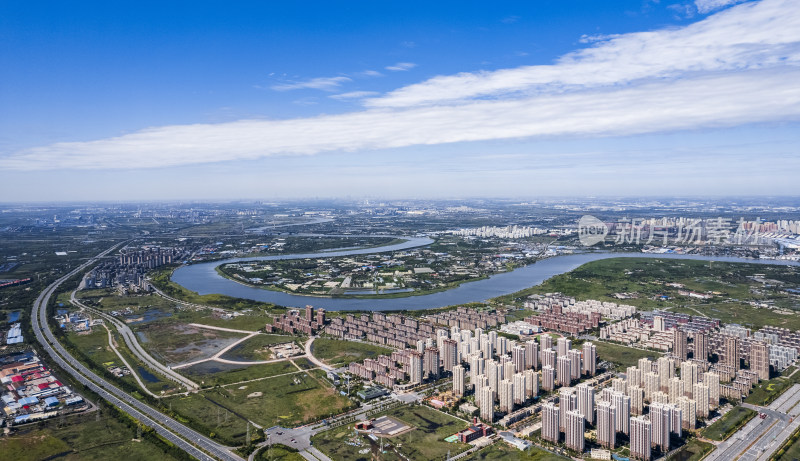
x=574 y=431
x=641 y=438
x=458 y=380
x=589 y=359
x=550 y=422
x=679 y=344
x=759 y=359
x=606 y=425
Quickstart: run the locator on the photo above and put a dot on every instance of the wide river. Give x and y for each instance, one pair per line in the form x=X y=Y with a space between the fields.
x=204 y=279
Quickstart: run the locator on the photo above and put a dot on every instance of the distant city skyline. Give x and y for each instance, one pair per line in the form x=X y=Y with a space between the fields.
x=234 y=101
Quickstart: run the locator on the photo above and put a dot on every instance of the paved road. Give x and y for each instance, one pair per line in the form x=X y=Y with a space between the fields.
x=133 y=345
x=192 y=442
x=759 y=438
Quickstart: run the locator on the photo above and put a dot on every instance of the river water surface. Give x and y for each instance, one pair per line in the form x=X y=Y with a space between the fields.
x=204 y=279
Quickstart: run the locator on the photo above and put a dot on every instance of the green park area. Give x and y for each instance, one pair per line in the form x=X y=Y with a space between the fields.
x=83 y=439
x=790 y=450
x=694 y=450
x=729 y=423
x=765 y=392
x=257 y=347
x=424 y=441
x=337 y=352
x=288 y=400
x=211 y=374
x=645 y=281
x=278 y=452
x=501 y=451
x=621 y=355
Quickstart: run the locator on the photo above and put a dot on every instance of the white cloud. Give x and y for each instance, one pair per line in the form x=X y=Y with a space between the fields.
x=320 y=83
x=707 y=6
x=353 y=95
x=371 y=73
x=401 y=66
x=747 y=36
x=738 y=66
x=704 y=101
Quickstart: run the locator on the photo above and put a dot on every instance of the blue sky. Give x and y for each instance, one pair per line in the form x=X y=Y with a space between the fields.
x=219 y=100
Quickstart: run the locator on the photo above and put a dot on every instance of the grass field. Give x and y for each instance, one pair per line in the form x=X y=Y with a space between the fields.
x=767 y=391
x=647 y=278
x=338 y=352
x=213 y=373
x=728 y=423
x=172 y=342
x=78 y=441
x=622 y=355
x=692 y=451
x=501 y=451
x=278 y=453
x=284 y=400
x=255 y=348
x=425 y=441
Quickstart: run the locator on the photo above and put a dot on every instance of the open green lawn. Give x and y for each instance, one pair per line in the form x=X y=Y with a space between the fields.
x=89 y=440
x=765 y=392
x=289 y=401
x=278 y=453
x=647 y=277
x=256 y=348
x=622 y=355
x=424 y=442
x=692 y=451
x=213 y=373
x=339 y=352
x=728 y=423
x=502 y=451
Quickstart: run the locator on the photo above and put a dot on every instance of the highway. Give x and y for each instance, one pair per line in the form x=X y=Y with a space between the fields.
x=133 y=345
x=192 y=442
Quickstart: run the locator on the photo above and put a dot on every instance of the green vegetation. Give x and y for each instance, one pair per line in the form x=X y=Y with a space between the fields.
x=424 y=441
x=288 y=400
x=729 y=423
x=173 y=343
x=82 y=439
x=622 y=355
x=278 y=452
x=694 y=450
x=161 y=279
x=337 y=352
x=217 y=374
x=501 y=451
x=257 y=347
x=790 y=450
x=98 y=355
x=767 y=391
x=646 y=278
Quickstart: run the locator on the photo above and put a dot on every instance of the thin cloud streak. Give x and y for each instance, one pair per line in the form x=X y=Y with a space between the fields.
x=320 y=83
x=701 y=102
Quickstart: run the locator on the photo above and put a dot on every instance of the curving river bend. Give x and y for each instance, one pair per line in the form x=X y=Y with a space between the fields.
x=204 y=279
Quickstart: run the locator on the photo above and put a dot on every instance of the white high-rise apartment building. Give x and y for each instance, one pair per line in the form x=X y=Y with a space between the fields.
x=487 y=404
x=700 y=396
x=506 y=395
x=458 y=380
x=586 y=401
x=551 y=419
x=574 y=431
x=520 y=386
x=641 y=438
x=606 y=425
x=622 y=407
